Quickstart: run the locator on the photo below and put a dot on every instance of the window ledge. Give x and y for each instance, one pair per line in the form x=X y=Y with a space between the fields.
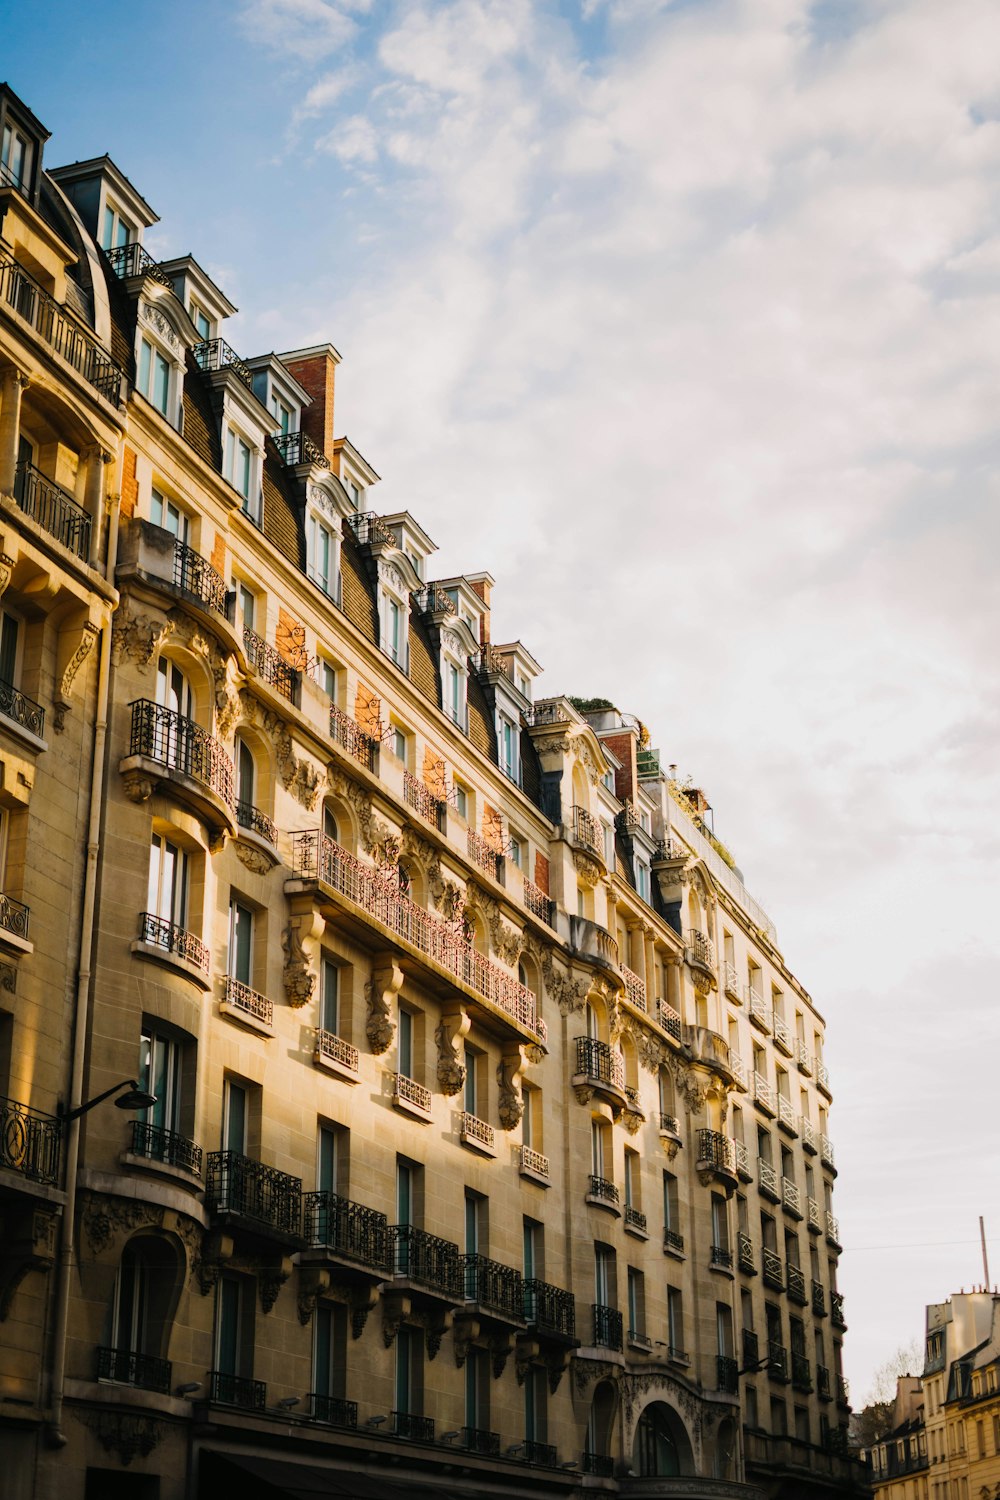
x=533 y=1176
x=261 y=846
x=180 y=1175
x=172 y=961
x=636 y=1232
x=723 y=1271
x=674 y=1253
x=642 y=1345
x=473 y=1144
x=333 y=1065
x=11 y=943
x=245 y=1019
x=407 y=1107
x=595 y=1202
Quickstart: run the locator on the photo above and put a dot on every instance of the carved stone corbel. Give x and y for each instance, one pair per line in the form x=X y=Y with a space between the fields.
x=270 y=1280
x=396 y=1307
x=510 y=1104
x=305 y=927
x=437 y=1327
x=501 y=1349
x=75 y=644
x=380 y=993
x=361 y=1304
x=137 y=786
x=453 y=1027
x=313 y=1282
x=526 y=1352
x=464 y=1335
x=216 y=1250
x=557 y=1363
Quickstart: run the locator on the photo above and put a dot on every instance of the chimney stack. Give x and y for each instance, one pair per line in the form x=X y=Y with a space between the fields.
x=315 y=369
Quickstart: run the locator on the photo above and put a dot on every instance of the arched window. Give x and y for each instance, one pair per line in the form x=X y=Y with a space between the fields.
x=330 y=829
x=246 y=774
x=661 y=1447
x=173 y=691
x=146 y=1290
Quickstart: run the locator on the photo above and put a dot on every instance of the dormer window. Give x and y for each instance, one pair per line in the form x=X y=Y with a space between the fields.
x=116 y=230
x=201 y=321
x=239 y=468
x=153 y=379
x=455 y=694
x=282 y=415
x=510 y=746
x=323 y=553
x=15 y=158
x=393 y=622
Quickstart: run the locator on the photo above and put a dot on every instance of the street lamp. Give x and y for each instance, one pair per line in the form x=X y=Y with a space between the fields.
x=133 y=1098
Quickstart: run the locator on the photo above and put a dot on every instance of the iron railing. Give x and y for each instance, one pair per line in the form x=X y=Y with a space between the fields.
x=248 y=816
x=777 y=1360
x=353 y=1230
x=602 y=1189
x=801 y=1373
x=768 y=1179
x=608 y=1327
x=726 y=1374
x=791 y=1197
x=297 y=448
x=635 y=1218
x=810 y=1137
x=496 y=1287
x=818 y=1299
x=237 y=1184
x=669 y=1019
x=56 y=512
x=156 y=1143
x=672 y=1240
x=317 y=857
x=536 y=901
x=760 y=1011
x=422 y=799
x=431 y=600
x=163 y=735
x=743 y=1161
x=823 y=1389
x=336 y=1411
x=796 y=1285
x=701 y=949
x=544 y=1454
x=8 y=178
x=370 y=530
x=484 y=855
x=411 y=1092
x=843 y=1392
x=549 y=1308
x=783 y=1035
x=328 y=1044
x=669 y=1124
x=135 y=260
x=237 y=1390
x=216 y=354
x=20 y=709
x=159 y=933
x=128 y=1367
x=406 y=1424
x=744 y=1253
x=718 y=1150
x=731 y=981
x=814 y=1217
x=837 y=1310
x=248 y=1002
x=352 y=738
x=58 y=328
x=833 y=1229
x=738 y=1068
x=426 y=1258
x=600 y=1464
x=269 y=666
x=29 y=1142
x=534 y=1161
x=479 y=1440
x=823 y=1077
x=773 y=1274
x=14 y=916
x=803 y=1057
x=475 y=1129
x=763 y=1094
x=722 y=1256
x=586 y=830
x=195 y=575
x=826 y=1151
x=635 y=988
x=786 y=1115
x=600 y=1061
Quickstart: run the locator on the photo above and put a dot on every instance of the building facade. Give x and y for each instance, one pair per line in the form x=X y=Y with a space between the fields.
x=481 y=1140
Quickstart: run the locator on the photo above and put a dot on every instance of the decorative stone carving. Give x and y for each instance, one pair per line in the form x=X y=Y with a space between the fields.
x=449 y=1034
x=137 y=786
x=270 y=1280
x=500 y=1351
x=313 y=1282
x=8 y=978
x=254 y=859
x=588 y=870
x=507 y=941
x=6 y=569
x=103 y=1217
x=632 y=1119
x=121 y=1432
x=297 y=975
x=74 y=648
x=464 y=1335
x=135 y=636
x=380 y=993
x=570 y=995
x=510 y=1104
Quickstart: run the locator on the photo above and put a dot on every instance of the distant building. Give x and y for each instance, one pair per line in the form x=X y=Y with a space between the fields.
x=475 y=1135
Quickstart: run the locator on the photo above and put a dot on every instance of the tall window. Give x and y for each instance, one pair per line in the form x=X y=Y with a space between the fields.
x=671 y=1206
x=321 y=555
x=115 y=231
x=675 y=1320
x=532 y=1235
x=531 y=1118
x=604 y=1270
x=236 y=1117
x=237 y=468
x=246 y=774
x=535 y=1412
x=329 y=1352
x=477 y=1390
x=200 y=319
x=164 y=512
x=15 y=158
x=329 y=998
x=130 y=1316
x=409 y=1351
x=160 y=1074
x=173 y=690
x=509 y=748
x=404 y=1043
x=153 y=376
x=636 y=1303
x=241 y=922
x=331 y=1151
x=234 y=1327
x=168 y=882
x=9 y=643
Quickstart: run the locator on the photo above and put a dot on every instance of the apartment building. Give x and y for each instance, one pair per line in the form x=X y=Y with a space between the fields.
x=473 y=1133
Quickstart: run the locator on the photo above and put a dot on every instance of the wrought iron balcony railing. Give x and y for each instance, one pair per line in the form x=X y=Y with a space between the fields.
x=331 y=1046
x=722 y=1256
x=669 y=1020
x=549 y=1308
x=10 y=178
x=370 y=530
x=156 y=1143
x=635 y=989
x=801 y=1373
x=237 y=1390
x=773 y=1274
x=482 y=853
x=248 y=816
x=135 y=260
x=29 y=1142
x=602 y=1189
x=421 y=799
x=600 y=1061
x=818 y=1299
x=479 y=1440
x=837 y=1310
x=296 y=448
x=717 y=1151
x=635 y=1218
x=672 y=1240
x=534 y=1161
x=128 y=1367
x=336 y=1411
x=600 y=1464
x=269 y=665
x=540 y=1453
x=586 y=830
x=58 y=328
x=195 y=575
x=796 y=1285
x=777 y=1360
x=750 y=1347
x=426 y=1258
x=726 y=1374
x=169 y=738
x=536 y=901
x=14 y=916
x=408 y=1091
x=247 y=1001
x=157 y=932
x=237 y=1184
x=216 y=354
x=669 y=1124
x=498 y=1288
x=56 y=512
x=316 y=857
x=352 y=738
x=20 y=709
x=353 y=1230
x=608 y=1327
x=823 y=1390
x=407 y=1424
x=744 y=1253
x=843 y=1391
x=700 y=949
x=476 y=1130
x=431 y=600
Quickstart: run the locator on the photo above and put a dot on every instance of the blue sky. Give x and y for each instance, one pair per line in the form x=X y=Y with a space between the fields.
x=684 y=321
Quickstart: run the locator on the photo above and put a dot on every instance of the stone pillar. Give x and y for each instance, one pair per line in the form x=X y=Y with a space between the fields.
x=13 y=385
x=96 y=458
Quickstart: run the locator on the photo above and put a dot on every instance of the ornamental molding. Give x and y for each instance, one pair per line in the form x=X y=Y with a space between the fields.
x=510 y=1103
x=587 y=869
x=508 y=942
x=374 y=833
x=450 y=1035
x=124 y=1433
x=255 y=860
x=380 y=994
x=152 y=317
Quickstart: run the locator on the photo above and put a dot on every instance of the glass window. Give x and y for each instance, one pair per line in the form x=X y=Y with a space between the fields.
x=160 y=1074
x=163 y=512
x=9 y=640
x=329 y=1017
x=326 y=1160
x=14 y=157
x=233 y=1340
x=154 y=376
x=405 y=1044
x=461 y=801
x=240 y=943
x=168 y=882
x=199 y=318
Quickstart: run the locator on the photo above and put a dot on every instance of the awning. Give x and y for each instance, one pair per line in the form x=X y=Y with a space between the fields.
x=280 y=1479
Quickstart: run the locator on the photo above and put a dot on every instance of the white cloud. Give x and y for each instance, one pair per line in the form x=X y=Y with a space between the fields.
x=306 y=29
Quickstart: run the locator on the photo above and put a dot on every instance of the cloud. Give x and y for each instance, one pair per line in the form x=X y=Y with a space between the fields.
x=305 y=29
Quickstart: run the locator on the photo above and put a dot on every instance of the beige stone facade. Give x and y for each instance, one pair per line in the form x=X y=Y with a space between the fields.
x=490 y=1150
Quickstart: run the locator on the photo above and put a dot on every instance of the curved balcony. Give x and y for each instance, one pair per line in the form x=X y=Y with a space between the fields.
x=165 y=942
x=55 y=511
x=29 y=1143
x=716 y=1159
x=699 y=953
x=603 y=1193
x=600 y=1069
x=252 y=820
x=22 y=710
x=272 y=668
x=585 y=832
x=165 y=748
x=155 y=1143
x=711 y=1051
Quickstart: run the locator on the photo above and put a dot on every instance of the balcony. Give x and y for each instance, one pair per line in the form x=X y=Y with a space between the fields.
x=823 y=1387
x=135 y=260
x=29 y=1143
x=370 y=530
x=352 y=738
x=716 y=1159
x=14 y=916
x=744 y=1254
x=479 y=1440
x=411 y=1097
x=727 y=1374
x=743 y=1162
x=155 y=1143
x=670 y=1127
x=550 y=1311
x=196 y=577
x=669 y=1020
x=543 y=1454
x=814 y=1216
x=198 y=769
x=483 y=854
x=710 y=1050
x=22 y=710
x=673 y=1243
x=608 y=1327
x=791 y=1198
x=600 y=1464
x=237 y=1390
x=843 y=1392
x=126 y=1367
x=602 y=1193
x=334 y=1411
x=760 y=1012
x=731 y=982
x=801 y=1373
x=585 y=831
x=738 y=1068
x=215 y=355
x=787 y=1119
x=160 y=936
x=351 y=1235
x=336 y=1055
x=818 y=1299
x=59 y=329
x=252 y=820
x=720 y=1257
x=751 y=1354
x=763 y=1095
x=297 y=448
x=245 y=1005
x=639 y=1341
x=537 y=901
x=423 y=801
x=54 y=510
x=832 y=1230
x=823 y=1078
x=699 y=952
x=318 y=858
x=416 y=1429
x=493 y=1288
x=245 y=1193
x=534 y=1164
x=477 y=1133
x=771 y=1263
x=782 y=1036
x=777 y=1360
x=635 y=1220
x=797 y=1285
x=269 y=666
x=837 y=1310
x=810 y=1137
x=600 y=1069
x=767 y=1179
x=803 y=1058
x=826 y=1152
x=432 y=1264
x=635 y=989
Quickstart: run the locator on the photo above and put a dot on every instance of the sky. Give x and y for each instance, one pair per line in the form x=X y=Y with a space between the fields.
x=683 y=320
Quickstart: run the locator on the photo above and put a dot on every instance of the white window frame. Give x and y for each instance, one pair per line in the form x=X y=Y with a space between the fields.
x=323 y=541
x=510 y=764
x=146 y=369
x=235 y=440
x=119 y=224
x=11 y=135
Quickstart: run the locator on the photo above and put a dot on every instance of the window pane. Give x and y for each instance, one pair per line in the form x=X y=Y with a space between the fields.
x=145 y=359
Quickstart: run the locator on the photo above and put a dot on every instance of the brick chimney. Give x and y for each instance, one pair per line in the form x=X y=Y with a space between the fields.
x=482 y=584
x=315 y=369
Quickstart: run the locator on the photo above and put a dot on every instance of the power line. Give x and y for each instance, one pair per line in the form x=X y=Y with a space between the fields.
x=907 y=1245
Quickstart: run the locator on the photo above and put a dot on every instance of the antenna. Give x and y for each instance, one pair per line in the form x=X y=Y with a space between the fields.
x=986 y=1264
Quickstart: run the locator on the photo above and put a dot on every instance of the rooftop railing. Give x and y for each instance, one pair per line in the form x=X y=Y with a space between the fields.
x=58 y=328
x=135 y=260
x=317 y=857
x=269 y=665
x=216 y=354
x=723 y=873
x=353 y=1230
x=29 y=1142
x=431 y=600
x=55 y=511
x=237 y=1184
x=168 y=737
x=159 y=933
x=296 y=448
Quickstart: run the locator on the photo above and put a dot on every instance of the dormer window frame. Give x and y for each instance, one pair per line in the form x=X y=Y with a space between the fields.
x=19 y=125
x=166 y=349
x=323 y=542
x=394 y=617
x=278 y=392
x=117 y=230
x=242 y=457
x=206 y=304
